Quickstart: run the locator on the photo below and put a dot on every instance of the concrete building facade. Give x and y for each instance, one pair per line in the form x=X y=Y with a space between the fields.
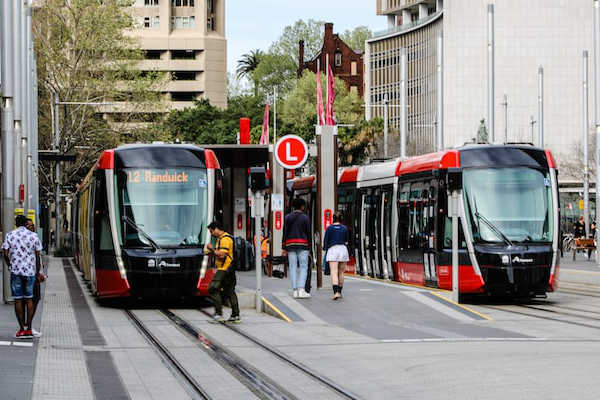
x=187 y=39
x=548 y=33
x=346 y=63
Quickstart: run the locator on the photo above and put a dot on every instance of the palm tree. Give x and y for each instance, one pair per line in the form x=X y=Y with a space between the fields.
x=247 y=64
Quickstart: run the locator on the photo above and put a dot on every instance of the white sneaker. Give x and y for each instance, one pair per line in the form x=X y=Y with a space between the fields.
x=302 y=294
x=36 y=333
x=295 y=294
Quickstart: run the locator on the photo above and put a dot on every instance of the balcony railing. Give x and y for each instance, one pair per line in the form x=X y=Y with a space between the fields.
x=387 y=6
x=408 y=26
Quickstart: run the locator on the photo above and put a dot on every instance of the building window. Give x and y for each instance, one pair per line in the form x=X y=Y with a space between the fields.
x=182 y=3
x=353 y=68
x=338 y=59
x=183 y=55
x=146 y=22
x=156 y=22
x=151 y=3
x=211 y=11
x=184 y=76
x=414 y=17
x=152 y=55
x=354 y=89
x=183 y=96
x=183 y=22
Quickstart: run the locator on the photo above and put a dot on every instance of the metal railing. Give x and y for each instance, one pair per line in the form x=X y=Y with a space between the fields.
x=408 y=26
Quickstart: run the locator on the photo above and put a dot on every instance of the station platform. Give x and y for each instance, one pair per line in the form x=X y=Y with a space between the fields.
x=382 y=340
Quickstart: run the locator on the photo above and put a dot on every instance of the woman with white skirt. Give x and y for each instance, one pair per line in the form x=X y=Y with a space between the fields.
x=335 y=244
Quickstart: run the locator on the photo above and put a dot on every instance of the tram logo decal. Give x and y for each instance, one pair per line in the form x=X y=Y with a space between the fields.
x=522 y=260
x=164 y=264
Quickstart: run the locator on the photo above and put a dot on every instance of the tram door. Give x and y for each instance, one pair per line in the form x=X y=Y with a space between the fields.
x=428 y=233
x=371 y=232
x=385 y=225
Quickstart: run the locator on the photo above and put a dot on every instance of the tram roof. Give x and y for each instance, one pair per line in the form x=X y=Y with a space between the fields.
x=240 y=155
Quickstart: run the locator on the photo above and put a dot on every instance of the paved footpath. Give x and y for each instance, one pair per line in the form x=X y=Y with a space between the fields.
x=382 y=341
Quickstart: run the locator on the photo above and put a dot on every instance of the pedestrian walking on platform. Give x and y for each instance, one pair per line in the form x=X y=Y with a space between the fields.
x=222 y=286
x=335 y=244
x=296 y=234
x=37 y=286
x=22 y=254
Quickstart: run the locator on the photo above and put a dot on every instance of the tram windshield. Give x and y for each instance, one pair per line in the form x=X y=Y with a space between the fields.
x=164 y=207
x=508 y=205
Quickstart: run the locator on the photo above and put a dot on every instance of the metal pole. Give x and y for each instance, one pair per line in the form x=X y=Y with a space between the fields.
x=541 y=106
x=24 y=101
x=491 y=70
x=586 y=172
x=18 y=95
x=386 y=119
x=455 y=293
x=274 y=116
x=403 y=113
x=505 y=104
x=597 y=114
x=57 y=226
x=258 y=204
x=34 y=142
x=8 y=181
x=440 y=92
x=29 y=63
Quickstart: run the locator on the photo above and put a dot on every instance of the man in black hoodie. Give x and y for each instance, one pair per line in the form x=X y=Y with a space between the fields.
x=296 y=242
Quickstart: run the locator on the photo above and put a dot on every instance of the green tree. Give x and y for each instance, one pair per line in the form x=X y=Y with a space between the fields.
x=299 y=114
x=247 y=64
x=356 y=38
x=84 y=55
x=275 y=71
x=310 y=31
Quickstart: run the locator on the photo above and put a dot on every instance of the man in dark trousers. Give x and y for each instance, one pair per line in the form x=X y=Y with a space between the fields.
x=22 y=255
x=296 y=242
x=223 y=283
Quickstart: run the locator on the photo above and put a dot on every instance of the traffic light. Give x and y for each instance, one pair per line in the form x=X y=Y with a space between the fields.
x=258 y=179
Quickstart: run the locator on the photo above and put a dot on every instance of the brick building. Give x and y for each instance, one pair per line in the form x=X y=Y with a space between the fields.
x=346 y=63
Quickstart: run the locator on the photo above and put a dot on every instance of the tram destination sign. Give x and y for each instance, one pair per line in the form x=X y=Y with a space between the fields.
x=291 y=152
x=153 y=176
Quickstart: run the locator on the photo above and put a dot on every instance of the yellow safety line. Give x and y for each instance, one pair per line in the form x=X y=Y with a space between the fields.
x=276 y=310
x=396 y=283
x=461 y=306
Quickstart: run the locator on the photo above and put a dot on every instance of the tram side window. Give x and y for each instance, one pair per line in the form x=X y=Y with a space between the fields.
x=448 y=234
x=103 y=233
x=403 y=216
x=415 y=220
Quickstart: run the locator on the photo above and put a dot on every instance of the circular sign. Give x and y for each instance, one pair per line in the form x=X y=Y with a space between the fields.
x=291 y=151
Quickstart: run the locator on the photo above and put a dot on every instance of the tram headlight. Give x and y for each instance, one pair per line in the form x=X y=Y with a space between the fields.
x=121 y=266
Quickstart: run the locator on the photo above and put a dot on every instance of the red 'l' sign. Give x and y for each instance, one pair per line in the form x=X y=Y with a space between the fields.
x=291 y=151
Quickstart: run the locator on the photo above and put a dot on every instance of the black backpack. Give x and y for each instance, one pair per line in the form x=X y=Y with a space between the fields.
x=238 y=260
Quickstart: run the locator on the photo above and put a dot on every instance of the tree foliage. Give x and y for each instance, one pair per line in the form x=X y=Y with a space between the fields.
x=275 y=71
x=85 y=55
x=248 y=64
x=356 y=38
x=299 y=113
x=310 y=31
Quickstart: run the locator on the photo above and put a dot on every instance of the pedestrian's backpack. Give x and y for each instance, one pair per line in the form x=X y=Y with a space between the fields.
x=238 y=254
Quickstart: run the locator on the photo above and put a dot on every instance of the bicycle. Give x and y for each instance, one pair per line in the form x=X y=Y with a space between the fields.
x=568 y=242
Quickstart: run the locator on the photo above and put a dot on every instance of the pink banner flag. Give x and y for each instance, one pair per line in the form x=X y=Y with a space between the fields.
x=320 y=112
x=330 y=114
x=264 y=138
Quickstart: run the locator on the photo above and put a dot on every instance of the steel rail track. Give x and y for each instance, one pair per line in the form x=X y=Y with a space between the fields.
x=192 y=385
x=257 y=382
x=316 y=376
x=497 y=308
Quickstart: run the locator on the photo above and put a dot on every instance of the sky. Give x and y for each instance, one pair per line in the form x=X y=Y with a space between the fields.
x=255 y=24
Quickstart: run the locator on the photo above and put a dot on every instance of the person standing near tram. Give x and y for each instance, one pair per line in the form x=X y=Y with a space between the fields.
x=296 y=242
x=335 y=244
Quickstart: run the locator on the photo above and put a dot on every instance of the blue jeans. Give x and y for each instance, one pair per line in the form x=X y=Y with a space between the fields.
x=298 y=258
x=22 y=286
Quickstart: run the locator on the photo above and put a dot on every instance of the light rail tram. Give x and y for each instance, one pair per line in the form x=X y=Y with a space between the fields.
x=140 y=221
x=400 y=228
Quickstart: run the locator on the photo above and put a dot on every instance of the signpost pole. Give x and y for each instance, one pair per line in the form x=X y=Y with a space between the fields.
x=455 y=213
x=258 y=211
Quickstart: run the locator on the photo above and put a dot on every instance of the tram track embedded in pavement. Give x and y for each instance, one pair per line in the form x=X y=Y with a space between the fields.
x=547 y=318
x=192 y=386
x=316 y=376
